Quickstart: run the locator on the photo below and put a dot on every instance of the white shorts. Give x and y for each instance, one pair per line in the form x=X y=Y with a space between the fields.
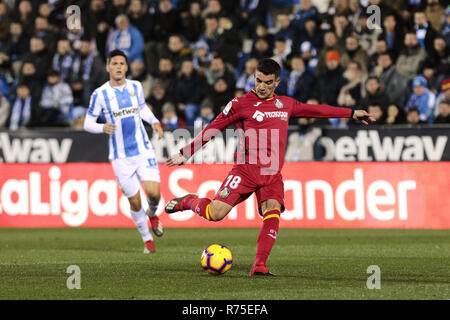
x=132 y=171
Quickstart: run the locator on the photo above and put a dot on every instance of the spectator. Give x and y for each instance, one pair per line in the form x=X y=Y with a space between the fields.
x=202 y=57
x=425 y=34
x=445 y=31
x=300 y=82
x=206 y=115
x=216 y=70
x=44 y=31
x=409 y=61
x=286 y=30
x=439 y=59
x=422 y=99
x=354 y=90
x=19 y=45
x=63 y=59
x=211 y=32
x=356 y=53
x=56 y=101
x=444 y=112
x=4 y=110
x=330 y=83
x=189 y=91
x=330 y=43
x=413 y=117
x=281 y=51
x=220 y=95
x=394 y=83
x=166 y=22
x=97 y=25
x=375 y=94
x=213 y=8
x=126 y=38
x=140 y=18
x=192 y=24
x=40 y=57
x=170 y=120
x=395 y=115
x=261 y=49
x=176 y=51
x=443 y=95
x=157 y=98
x=138 y=72
x=246 y=80
x=29 y=77
x=23 y=111
x=343 y=28
x=229 y=41
x=380 y=48
x=4 y=22
x=312 y=34
x=309 y=55
x=392 y=34
x=252 y=13
x=88 y=72
x=434 y=12
x=367 y=33
x=166 y=75
x=306 y=10
x=25 y=15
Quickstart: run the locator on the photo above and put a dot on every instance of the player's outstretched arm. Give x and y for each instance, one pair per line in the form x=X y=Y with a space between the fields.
x=363 y=117
x=176 y=160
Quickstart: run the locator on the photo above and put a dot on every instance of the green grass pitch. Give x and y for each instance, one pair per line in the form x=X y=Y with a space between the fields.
x=309 y=263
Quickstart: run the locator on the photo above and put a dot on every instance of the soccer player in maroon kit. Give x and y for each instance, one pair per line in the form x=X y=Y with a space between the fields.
x=262 y=120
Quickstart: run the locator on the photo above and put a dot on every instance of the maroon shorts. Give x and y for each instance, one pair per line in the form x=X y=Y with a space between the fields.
x=244 y=179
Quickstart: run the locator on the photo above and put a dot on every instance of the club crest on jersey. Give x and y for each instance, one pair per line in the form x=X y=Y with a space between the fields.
x=225 y=192
x=131 y=92
x=278 y=104
x=227 y=108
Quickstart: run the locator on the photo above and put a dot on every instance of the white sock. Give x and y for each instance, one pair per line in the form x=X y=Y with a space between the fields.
x=140 y=218
x=152 y=207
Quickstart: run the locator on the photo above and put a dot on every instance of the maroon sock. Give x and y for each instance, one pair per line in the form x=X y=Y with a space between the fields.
x=267 y=235
x=200 y=206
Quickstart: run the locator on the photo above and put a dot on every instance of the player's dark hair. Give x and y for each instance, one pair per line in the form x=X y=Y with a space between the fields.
x=269 y=66
x=116 y=53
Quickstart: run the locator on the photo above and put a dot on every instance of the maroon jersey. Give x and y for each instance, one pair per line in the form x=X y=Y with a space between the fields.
x=263 y=127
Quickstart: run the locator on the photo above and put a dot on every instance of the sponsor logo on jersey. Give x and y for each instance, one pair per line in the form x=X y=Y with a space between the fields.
x=259 y=116
x=225 y=192
x=125 y=112
x=257 y=104
x=227 y=107
x=278 y=104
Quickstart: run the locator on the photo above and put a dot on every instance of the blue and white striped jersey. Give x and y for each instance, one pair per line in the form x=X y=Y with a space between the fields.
x=122 y=107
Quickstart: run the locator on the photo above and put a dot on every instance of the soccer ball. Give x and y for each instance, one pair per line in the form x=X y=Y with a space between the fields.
x=216 y=259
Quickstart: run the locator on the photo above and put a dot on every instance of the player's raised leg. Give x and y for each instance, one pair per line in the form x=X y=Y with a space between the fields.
x=267 y=235
x=211 y=210
x=153 y=197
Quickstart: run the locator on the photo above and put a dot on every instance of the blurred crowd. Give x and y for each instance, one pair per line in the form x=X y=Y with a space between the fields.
x=193 y=56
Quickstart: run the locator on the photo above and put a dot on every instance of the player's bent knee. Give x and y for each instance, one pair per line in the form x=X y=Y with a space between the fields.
x=219 y=210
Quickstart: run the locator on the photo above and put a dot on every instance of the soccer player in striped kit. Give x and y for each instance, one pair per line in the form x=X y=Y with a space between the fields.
x=122 y=103
x=262 y=119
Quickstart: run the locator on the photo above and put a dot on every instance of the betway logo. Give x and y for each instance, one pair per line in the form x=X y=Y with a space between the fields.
x=34 y=150
x=399 y=148
x=126 y=112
